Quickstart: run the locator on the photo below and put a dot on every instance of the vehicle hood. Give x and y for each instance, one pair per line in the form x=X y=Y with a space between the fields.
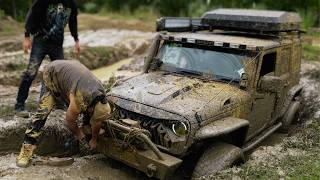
x=177 y=94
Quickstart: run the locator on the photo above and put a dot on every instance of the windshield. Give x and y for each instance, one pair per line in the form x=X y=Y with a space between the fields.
x=205 y=62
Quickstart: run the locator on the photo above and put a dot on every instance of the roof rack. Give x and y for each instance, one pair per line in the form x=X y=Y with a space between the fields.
x=261 y=21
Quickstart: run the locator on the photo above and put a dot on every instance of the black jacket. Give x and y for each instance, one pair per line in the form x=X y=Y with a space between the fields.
x=49 y=17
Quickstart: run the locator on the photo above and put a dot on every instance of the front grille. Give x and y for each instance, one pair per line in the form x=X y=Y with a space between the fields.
x=158 y=128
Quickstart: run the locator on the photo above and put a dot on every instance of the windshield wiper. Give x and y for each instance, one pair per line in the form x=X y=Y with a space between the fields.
x=226 y=79
x=190 y=72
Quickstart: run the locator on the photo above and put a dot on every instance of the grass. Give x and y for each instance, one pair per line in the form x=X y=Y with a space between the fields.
x=142 y=21
x=95 y=57
x=290 y=167
x=302 y=165
x=315 y=34
x=310 y=52
x=116 y=21
x=16 y=67
x=6 y=111
x=145 y=14
x=9 y=27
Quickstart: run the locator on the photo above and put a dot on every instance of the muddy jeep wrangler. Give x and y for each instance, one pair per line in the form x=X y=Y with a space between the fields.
x=212 y=87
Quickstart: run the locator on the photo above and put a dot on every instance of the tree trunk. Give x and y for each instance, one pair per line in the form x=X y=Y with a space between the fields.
x=318 y=15
x=14 y=9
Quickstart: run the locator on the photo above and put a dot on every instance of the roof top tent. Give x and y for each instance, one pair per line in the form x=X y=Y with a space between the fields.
x=252 y=20
x=235 y=20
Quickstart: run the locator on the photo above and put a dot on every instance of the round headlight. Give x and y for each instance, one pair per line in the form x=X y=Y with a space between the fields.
x=179 y=128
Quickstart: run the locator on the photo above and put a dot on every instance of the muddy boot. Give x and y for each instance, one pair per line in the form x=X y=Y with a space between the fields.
x=23 y=160
x=21 y=112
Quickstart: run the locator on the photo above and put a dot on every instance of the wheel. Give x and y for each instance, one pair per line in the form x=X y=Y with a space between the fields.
x=216 y=158
x=290 y=116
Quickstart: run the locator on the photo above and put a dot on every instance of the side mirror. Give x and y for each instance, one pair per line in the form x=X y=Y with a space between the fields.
x=244 y=81
x=271 y=84
x=156 y=63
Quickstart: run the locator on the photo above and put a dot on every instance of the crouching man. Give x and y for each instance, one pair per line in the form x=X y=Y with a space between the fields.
x=74 y=84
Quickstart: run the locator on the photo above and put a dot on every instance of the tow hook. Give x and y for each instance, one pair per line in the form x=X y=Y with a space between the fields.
x=151 y=170
x=140 y=134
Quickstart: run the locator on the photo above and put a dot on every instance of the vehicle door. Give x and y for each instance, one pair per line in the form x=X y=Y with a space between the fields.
x=263 y=103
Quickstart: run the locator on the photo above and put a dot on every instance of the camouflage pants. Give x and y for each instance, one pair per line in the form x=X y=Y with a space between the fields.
x=34 y=128
x=47 y=102
x=40 y=48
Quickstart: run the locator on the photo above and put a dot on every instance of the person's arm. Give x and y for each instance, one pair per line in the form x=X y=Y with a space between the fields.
x=73 y=26
x=73 y=21
x=31 y=22
x=95 y=132
x=36 y=9
x=101 y=113
x=71 y=118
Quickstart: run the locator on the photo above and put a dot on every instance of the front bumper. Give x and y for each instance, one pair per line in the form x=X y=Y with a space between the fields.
x=148 y=160
x=143 y=160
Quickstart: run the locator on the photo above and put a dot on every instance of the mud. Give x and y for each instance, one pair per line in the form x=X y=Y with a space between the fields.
x=106 y=48
x=98 y=166
x=98 y=48
x=91 y=167
x=301 y=137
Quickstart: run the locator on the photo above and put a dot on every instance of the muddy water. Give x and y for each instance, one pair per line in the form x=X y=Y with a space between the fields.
x=105 y=73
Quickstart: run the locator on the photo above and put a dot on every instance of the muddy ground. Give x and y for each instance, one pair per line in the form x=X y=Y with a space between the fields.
x=99 y=49
x=99 y=167
x=120 y=52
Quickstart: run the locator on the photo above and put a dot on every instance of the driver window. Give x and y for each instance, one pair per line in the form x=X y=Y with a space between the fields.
x=268 y=64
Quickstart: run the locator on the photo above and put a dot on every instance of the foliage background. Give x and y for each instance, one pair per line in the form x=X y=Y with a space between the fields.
x=309 y=9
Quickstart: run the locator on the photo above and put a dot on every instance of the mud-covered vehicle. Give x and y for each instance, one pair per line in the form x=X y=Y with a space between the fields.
x=212 y=87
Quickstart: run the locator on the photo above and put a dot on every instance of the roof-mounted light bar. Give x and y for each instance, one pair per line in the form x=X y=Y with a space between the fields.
x=180 y=24
x=212 y=43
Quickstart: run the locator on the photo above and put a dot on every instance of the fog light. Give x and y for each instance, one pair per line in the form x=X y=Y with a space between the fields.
x=179 y=129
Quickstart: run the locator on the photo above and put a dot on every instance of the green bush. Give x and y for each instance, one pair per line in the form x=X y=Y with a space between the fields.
x=2 y=15
x=90 y=7
x=308 y=19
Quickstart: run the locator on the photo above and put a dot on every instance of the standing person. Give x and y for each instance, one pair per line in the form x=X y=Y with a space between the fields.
x=74 y=84
x=46 y=21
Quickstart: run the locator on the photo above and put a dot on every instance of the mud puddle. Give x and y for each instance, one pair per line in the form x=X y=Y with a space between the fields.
x=104 y=73
x=91 y=167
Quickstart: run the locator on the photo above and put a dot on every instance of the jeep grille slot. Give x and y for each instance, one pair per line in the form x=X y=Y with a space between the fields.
x=158 y=128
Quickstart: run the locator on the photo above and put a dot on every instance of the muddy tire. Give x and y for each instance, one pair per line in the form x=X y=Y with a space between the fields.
x=290 y=116
x=216 y=158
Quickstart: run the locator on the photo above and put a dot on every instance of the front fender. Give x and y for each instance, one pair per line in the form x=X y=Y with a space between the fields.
x=292 y=93
x=222 y=127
